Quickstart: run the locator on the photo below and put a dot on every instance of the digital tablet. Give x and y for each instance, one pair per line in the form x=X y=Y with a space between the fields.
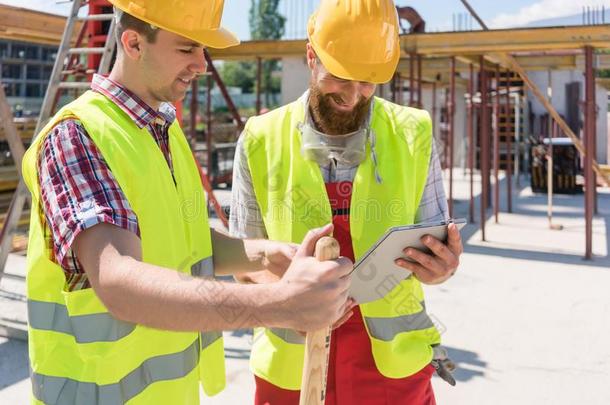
x=375 y=274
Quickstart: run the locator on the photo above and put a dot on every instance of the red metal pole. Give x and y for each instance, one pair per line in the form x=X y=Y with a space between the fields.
x=397 y=88
x=509 y=148
x=223 y=90
x=451 y=112
x=445 y=134
x=211 y=197
x=471 y=148
x=420 y=104
x=411 y=78
x=259 y=68
x=484 y=150
x=208 y=138
x=401 y=93
x=589 y=139
x=496 y=146
x=434 y=108
x=194 y=107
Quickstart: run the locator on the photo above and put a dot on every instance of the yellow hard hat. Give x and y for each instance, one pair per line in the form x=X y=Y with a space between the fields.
x=192 y=19
x=356 y=39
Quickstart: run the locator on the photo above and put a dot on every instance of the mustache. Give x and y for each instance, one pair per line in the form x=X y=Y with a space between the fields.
x=338 y=99
x=333 y=122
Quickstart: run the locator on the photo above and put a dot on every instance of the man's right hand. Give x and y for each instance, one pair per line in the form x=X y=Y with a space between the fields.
x=313 y=293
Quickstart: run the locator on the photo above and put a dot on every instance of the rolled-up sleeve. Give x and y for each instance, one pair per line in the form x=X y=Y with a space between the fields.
x=433 y=205
x=245 y=220
x=78 y=191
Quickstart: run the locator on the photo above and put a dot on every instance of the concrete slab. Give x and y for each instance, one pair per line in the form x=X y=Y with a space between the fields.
x=14 y=374
x=525 y=317
x=13 y=310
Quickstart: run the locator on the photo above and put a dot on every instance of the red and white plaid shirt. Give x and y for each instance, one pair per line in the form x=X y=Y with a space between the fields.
x=77 y=187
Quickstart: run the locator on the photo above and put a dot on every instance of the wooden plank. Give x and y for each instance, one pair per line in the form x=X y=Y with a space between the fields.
x=541 y=40
x=509 y=40
x=24 y=126
x=10 y=224
x=20 y=24
x=14 y=141
x=14 y=330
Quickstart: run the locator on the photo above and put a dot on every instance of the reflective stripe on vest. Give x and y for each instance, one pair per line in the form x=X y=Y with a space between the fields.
x=379 y=328
x=101 y=327
x=85 y=328
x=288 y=335
x=208 y=338
x=203 y=268
x=387 y=328
x=66 y=391
x=92 y=328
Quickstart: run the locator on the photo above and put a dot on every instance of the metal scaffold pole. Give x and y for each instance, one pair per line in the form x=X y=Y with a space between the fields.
x=451 y=116
x=484 y=149
x=471 y=145
x=589 y=142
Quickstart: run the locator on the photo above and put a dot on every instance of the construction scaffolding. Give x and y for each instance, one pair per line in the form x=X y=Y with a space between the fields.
x=492 y=65
x=496 y=94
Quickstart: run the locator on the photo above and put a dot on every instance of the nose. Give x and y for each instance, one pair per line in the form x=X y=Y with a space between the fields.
x=351 y=93
x=364 y=90
x=199 y=64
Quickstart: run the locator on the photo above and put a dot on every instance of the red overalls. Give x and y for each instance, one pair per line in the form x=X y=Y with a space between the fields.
x=353 y=378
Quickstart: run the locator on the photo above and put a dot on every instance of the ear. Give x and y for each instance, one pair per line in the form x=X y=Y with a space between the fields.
x=131 y=42
x=311 y=57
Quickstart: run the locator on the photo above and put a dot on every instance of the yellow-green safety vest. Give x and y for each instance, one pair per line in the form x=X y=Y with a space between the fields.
x=291 y=195
x=80 y=353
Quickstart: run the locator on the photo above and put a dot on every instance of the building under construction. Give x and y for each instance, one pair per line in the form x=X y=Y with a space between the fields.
x=518 y=114
x=502 y=92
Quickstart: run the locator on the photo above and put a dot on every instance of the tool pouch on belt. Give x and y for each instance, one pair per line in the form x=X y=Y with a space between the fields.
x=443 y=364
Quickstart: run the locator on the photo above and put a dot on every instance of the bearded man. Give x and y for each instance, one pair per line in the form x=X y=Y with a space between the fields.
x=339 y=153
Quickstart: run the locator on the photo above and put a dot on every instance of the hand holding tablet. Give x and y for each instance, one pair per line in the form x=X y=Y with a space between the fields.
x=378 y=271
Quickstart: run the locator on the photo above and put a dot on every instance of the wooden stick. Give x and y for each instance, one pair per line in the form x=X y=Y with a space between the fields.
x=317 y=344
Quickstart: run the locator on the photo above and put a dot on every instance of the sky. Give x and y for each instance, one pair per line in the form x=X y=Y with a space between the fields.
x=438 y=14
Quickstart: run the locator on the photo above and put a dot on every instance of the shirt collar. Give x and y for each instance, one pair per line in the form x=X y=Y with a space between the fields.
x=141 y=113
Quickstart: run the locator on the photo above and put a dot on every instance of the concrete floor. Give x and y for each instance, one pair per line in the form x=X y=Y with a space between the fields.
x=525 y=318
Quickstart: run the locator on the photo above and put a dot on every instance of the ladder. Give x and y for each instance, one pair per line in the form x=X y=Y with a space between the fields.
x=18 y=200
x=67 y=62
x=67 y=75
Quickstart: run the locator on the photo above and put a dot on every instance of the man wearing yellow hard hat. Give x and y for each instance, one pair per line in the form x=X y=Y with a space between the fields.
x=121 y=302
x=339 y=153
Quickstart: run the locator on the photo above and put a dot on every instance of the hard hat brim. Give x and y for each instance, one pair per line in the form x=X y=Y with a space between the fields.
x=220 y=38
x=378 y=73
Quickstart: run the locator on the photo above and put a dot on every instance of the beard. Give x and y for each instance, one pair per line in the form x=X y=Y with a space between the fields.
x=333 y=122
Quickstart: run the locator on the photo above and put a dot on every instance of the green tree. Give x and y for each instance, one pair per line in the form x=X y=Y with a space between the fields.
x=267 y=23
x=239 y=74
x=265 y=20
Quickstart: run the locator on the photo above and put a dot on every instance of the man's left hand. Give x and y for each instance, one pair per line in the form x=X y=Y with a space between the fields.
x=278 y=256
x=439 y=266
